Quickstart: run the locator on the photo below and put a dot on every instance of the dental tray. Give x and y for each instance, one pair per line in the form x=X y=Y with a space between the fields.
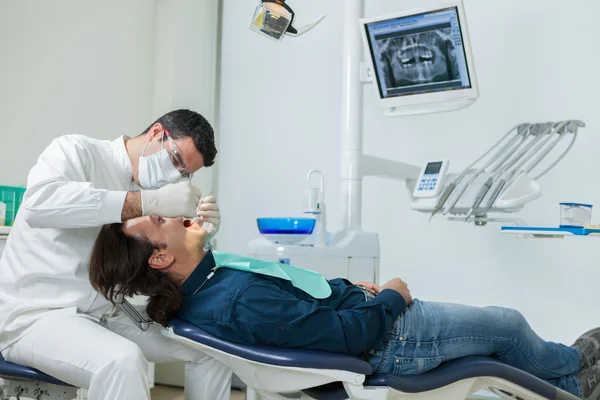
x=550 y=232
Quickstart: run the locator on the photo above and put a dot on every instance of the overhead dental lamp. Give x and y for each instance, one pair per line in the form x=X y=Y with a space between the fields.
x=274 y=19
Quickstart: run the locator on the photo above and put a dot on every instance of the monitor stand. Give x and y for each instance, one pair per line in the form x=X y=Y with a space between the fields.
x=428 y=108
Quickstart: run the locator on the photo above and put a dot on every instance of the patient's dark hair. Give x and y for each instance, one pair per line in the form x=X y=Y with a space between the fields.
x=119 y=266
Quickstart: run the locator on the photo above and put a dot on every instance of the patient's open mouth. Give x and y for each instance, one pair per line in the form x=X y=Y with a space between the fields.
x=188 y=223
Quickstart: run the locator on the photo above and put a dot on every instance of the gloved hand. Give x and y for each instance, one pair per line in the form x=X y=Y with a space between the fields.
x=208 y=211
x=173 y=200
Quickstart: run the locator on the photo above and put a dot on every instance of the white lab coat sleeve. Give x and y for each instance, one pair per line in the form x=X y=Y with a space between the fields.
x=59 y=193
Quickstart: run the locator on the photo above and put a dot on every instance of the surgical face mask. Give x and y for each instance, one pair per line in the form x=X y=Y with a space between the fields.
x=157 y=170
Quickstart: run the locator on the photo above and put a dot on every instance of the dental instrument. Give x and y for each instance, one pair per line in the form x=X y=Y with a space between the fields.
x=480 y=196
x=521 y=131
x=503 y=160
x=443 y=199
x=572 y=127
x=508 y=166
x=452 y=186
x=509 y=171
x=505 y=173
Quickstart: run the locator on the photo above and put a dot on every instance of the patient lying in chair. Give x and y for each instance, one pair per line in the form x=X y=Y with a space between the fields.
x=163 y=258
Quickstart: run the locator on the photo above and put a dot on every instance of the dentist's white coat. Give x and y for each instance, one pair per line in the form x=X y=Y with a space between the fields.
x=77 y=185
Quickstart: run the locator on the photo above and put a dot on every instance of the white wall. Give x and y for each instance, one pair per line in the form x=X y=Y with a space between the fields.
x=536 y=61
x=71 y=67
x=185 y=64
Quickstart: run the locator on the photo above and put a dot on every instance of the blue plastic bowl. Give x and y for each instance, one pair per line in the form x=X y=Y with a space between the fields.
x=286 y=226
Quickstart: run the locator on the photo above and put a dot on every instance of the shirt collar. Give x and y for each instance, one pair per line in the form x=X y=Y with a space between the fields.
x=199 y=275
x=122 y=158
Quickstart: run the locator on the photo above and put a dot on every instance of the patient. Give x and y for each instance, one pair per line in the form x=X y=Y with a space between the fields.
x=163 y=258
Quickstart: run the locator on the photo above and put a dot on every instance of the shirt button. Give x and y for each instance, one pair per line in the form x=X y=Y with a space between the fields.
x=397 y=361
x=401 y=337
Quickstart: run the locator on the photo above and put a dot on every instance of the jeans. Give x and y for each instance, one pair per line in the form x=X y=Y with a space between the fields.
x=428 y=334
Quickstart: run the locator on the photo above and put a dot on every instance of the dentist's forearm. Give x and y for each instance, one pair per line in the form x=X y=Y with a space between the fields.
x=61 y=204
x=132 y=208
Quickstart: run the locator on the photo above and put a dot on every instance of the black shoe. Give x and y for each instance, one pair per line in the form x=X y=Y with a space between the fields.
x=589 y=345
x=590 y=382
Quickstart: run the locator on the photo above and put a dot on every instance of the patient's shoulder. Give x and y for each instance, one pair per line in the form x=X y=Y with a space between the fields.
x=211 y=305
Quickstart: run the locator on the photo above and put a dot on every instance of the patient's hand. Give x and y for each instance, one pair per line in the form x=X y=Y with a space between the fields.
x=401 y=287
x=373 y=288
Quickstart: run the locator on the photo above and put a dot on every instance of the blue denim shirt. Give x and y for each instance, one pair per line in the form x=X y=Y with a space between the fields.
x=243 y=307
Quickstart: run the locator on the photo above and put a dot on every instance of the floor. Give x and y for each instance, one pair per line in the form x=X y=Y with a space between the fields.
x=175 y=393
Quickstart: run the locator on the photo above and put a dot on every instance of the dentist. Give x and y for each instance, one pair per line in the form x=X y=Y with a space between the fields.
x=50 y=316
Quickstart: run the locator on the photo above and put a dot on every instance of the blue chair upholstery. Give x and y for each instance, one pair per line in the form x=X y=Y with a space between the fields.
x=463 y=368
x=445 y=374
x=273 y=355
x=15 y=371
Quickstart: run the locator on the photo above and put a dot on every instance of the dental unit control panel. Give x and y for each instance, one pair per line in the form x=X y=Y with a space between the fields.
x=431 y=179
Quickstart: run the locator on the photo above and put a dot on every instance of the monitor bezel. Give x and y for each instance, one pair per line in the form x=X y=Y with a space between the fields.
x=423 y=98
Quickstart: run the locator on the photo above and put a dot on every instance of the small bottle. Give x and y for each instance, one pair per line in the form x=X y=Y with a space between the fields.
x=2 y=214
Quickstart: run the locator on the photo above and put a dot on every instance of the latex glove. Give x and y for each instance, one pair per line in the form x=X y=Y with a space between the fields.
x=208 y=211
x=173 y=200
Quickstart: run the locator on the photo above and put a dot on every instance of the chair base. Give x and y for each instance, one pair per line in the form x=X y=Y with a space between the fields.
x=25 y=389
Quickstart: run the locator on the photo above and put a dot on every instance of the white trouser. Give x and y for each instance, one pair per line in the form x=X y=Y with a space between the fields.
x=110 y=360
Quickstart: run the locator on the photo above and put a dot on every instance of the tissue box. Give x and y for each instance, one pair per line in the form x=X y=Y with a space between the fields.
x=11 y=196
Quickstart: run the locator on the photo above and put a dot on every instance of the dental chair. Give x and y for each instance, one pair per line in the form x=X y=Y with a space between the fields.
x=280 y=374
x=17 y=381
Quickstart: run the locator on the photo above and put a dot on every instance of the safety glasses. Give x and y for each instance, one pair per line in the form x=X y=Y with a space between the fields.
x=176 y=157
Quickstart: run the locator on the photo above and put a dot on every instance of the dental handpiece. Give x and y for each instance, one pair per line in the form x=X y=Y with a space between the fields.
x=443 y=199
x=495 y=194
x=521 y=158
x=460 y=192
x=480 y=196
x=499 y=155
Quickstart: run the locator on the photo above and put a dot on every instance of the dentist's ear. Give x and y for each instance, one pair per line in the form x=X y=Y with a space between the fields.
x=155 y=132
x=160 y=260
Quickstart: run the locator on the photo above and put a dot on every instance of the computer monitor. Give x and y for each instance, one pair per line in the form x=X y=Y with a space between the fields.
x=420 y=60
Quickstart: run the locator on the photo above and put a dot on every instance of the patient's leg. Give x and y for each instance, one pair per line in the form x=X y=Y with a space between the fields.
x=428 y=334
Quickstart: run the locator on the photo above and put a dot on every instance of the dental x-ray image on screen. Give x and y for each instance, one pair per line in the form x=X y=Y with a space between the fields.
x=418 y=53
x=419 y=58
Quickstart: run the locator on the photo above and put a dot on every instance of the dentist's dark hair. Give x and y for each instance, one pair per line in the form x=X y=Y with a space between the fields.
x=187 y=123
x=119 y=266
